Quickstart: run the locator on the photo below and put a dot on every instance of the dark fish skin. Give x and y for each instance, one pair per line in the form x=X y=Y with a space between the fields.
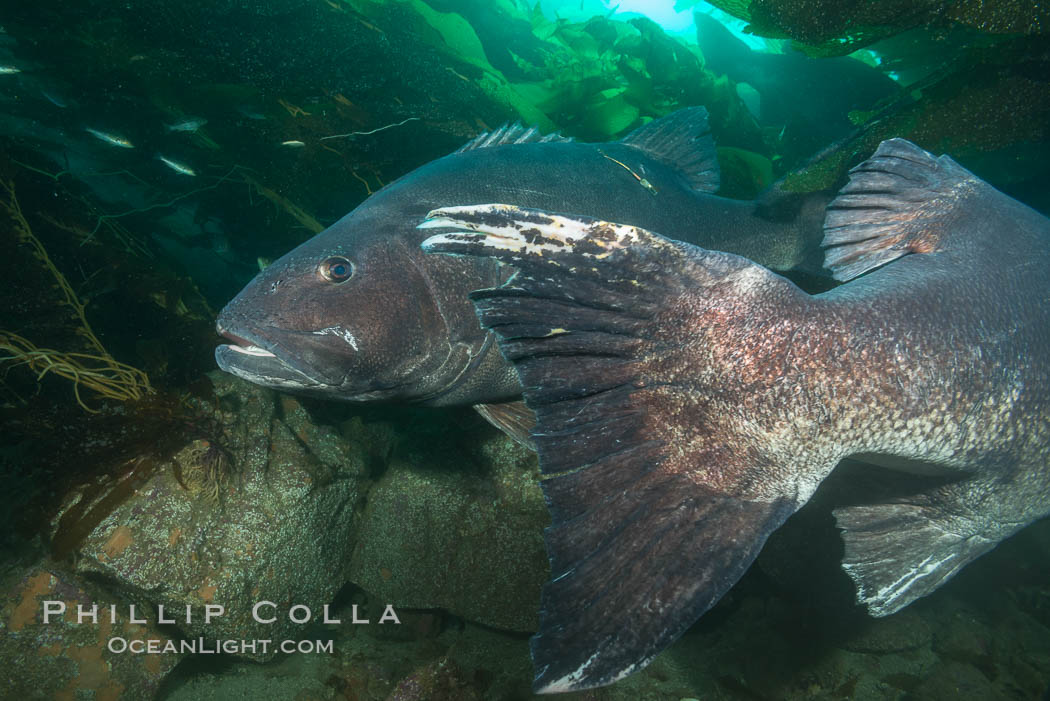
x=689 y=401
x=402 y=328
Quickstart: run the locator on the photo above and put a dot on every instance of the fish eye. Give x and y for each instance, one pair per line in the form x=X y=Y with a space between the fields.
x=336 y=269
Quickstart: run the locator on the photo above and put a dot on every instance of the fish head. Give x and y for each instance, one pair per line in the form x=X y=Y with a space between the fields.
x=349 y=314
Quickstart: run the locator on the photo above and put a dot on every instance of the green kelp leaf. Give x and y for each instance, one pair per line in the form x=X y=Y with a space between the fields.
x=603 y=30
x=725 y=101
x=544 y=95
x=741 y=9
x=624 y=30
x=567 y=93
x=634 y=67
x=497 y=87
x=454 y=36
x=609 y=113
x=529 y=70
x=579 y=40
x=632 y=44
x=446 y=31
x=543 y=28
x=661 y=51
x=457 y=33
x=744 y=173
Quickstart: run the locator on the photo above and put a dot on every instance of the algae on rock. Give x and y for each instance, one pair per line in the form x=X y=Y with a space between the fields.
x=277 y=530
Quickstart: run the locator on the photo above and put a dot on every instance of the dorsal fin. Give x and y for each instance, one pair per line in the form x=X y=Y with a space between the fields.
x=683 y=141
x=886 y=209
x=511 y=134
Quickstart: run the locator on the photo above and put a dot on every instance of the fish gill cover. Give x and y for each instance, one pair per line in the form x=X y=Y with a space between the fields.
x=154 y=155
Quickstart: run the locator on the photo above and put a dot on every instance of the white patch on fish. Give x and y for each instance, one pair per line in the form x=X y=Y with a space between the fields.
x=9 y=70
x=340 y=332
x=558 y=233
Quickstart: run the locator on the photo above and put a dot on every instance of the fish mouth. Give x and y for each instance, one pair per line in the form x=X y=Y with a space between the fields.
x=252 y=357
x=243 y=345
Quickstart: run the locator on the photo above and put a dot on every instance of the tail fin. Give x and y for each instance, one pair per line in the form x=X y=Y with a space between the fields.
x=655 y=511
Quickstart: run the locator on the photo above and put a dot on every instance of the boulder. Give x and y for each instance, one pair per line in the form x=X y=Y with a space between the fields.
x=438 y=534
x=64 y=657
x=263 y=511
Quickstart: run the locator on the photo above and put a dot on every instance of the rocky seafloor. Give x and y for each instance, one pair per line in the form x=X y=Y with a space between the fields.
x=439 y=516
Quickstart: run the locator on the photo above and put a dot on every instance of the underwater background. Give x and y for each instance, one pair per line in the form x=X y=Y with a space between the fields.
x=154 y=156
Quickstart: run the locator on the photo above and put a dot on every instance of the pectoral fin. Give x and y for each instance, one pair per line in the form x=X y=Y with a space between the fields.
x=653 y=500
x=513 y=418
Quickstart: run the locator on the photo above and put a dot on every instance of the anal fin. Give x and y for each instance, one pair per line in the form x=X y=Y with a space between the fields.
x=899 y=552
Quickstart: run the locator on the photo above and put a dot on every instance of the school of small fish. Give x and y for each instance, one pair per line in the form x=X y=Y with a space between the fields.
x=180 y=124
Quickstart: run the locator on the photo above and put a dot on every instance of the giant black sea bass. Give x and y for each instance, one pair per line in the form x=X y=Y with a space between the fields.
x=360 y=313
x=689 y=401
